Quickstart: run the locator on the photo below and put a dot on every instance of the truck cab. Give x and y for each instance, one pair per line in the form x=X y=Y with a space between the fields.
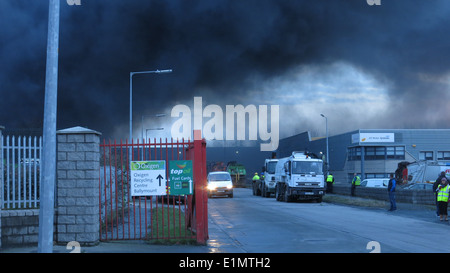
x=299 y=176
x=268 y=184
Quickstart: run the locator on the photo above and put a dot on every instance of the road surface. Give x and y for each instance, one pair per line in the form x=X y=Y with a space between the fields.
x=263 y=225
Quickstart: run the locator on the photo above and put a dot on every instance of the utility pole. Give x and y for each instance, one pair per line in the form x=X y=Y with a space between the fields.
x=48 y=166
x=131 y=95
x=328 y=155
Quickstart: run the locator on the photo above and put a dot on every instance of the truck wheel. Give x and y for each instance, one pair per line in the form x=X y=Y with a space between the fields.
x=287 y=198
x=278 y=195
x=258 y=190
x=266 y=193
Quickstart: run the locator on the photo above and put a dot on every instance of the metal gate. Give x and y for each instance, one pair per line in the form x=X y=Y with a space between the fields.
x=126 y=217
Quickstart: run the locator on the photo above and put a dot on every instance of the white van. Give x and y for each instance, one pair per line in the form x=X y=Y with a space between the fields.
x=220 y=183
x=375 y=183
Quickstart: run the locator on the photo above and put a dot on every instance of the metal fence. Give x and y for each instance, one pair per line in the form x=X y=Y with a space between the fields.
x=125 y=217
x=19 y=171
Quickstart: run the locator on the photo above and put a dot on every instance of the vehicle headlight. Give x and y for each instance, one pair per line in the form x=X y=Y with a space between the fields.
x=229 y=187
x=211 y=187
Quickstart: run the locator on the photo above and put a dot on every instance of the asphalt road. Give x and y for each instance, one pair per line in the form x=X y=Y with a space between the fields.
x=255 y=224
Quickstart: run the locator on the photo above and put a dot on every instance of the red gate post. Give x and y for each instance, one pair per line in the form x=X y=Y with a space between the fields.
x=201 y=197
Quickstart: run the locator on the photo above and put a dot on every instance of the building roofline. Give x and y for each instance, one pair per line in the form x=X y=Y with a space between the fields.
x=365 y=131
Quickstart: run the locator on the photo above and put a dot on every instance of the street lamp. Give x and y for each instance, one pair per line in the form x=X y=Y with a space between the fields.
x=153 y=129
x=328 y=155
x=131 y=92
x=142 y=122
x=146 y=130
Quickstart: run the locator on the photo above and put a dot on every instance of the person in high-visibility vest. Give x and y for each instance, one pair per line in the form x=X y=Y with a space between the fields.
x=255 y=185
x=355 y=182
x=442 y=198
x=330 y=182
x=255 y=177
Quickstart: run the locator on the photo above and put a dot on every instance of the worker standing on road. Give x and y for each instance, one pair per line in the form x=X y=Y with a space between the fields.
x=330 y=182
x=442 y=198
x=254 y=185
x=255 y=177
x=435 y=186
x=391 y=190
x=355 y=182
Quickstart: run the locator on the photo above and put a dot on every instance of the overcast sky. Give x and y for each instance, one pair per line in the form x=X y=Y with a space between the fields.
x=362 y=66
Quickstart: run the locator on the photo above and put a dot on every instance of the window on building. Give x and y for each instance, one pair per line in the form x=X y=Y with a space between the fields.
x=376 y=175
x=395 y=152
x=380 y=153
x=390 y=152
x=399 y=152
x=426 y=155
x=443 y=155
x=370 y=153
x=354 y=153
x=377 y=153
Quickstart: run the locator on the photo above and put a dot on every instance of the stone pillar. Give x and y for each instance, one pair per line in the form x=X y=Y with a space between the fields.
x=77 y=186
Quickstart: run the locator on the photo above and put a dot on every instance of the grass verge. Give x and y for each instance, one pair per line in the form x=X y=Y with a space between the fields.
x=169 y=227
x=354 y=201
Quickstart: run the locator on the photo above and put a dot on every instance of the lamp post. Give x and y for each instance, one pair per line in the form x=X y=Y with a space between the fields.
x=153 y=129
x=142 y=122
x=328 y=155
x=146 y=130
x=131 y=92
x=48 y=167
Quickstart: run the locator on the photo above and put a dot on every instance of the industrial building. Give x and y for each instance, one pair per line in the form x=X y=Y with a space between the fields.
x=372 y=153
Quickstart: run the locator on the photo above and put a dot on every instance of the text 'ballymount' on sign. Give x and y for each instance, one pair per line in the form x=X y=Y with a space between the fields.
x=148 y=178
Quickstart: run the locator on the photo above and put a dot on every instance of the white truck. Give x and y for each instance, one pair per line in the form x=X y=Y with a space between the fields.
x=265 y=186
x=426 y=171
x=299 y=176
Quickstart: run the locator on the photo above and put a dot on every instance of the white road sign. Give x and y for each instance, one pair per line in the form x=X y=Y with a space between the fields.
x=148 y=178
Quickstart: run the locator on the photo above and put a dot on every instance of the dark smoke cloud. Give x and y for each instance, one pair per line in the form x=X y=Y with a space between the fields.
x=216 y=50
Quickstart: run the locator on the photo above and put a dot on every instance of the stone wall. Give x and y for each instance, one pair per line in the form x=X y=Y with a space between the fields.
x=77 y=195
x=77 y=198
x=423 y=197
x=20 y=227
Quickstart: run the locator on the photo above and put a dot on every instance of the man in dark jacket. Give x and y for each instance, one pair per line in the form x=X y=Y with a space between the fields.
x=391 y=190
x=435 y=186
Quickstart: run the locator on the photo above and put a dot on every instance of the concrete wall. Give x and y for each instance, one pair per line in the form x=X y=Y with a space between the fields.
x=422 y=197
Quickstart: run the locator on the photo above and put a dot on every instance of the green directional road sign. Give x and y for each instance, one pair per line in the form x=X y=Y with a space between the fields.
x=181 y=179
x=148 y=178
